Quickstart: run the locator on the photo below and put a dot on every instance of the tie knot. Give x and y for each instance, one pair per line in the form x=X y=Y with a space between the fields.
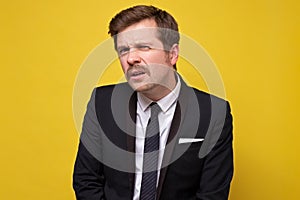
x=155 y=109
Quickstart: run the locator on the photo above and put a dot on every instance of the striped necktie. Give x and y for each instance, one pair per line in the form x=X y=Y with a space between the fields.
x=150 y=160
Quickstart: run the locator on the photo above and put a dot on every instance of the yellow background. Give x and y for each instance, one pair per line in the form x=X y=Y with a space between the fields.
x=255 y=45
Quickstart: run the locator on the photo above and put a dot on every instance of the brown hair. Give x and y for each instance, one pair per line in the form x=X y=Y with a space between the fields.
x=168 y=32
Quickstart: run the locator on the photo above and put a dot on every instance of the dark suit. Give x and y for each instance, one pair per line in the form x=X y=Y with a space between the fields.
x=105 y=163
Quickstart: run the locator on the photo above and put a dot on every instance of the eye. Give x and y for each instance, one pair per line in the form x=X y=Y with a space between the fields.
x=123 y=50
x=144 y=47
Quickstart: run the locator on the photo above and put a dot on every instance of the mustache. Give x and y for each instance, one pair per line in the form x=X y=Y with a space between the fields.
x=137 y=69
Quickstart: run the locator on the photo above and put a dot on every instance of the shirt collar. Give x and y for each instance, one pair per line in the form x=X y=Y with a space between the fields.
x=164 y=103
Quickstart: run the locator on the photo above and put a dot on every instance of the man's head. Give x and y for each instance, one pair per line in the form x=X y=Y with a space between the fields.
x=147 y=48
x=167 y=34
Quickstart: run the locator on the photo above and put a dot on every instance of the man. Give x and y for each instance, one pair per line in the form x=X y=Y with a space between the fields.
x=153 y=137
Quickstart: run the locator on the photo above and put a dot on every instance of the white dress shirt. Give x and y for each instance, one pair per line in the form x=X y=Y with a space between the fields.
x=165 y=117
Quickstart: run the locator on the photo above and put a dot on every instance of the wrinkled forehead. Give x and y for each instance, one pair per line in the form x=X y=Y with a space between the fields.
x=131 y=37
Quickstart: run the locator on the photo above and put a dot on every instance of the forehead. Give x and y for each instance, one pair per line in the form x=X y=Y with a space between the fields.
x=143 y=31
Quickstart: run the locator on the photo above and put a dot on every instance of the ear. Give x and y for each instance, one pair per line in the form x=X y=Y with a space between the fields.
x=173 y=54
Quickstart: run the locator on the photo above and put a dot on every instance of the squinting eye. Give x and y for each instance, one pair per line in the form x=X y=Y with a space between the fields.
x=123 y=51
x=144 y=47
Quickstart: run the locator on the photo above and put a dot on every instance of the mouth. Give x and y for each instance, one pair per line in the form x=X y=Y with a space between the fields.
x=136 y=74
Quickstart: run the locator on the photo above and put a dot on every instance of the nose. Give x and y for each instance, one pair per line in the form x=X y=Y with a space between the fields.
x=133 y=57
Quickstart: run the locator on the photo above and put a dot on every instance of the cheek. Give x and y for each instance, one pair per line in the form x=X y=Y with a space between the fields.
x=157 y=58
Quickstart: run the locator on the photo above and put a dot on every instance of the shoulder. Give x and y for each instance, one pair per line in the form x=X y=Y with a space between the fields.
x=215 y=105
x=117 y=95
x=202 y=95
x=203 y=98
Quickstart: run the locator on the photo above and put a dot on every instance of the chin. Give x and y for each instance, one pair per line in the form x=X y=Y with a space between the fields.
x=142 y=87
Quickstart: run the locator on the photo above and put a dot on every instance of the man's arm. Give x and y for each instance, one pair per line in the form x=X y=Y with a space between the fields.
x=88 y=178
x=218 y=165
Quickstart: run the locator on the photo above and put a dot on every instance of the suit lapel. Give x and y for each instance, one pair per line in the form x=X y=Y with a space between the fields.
x=169 y=148
x=173 y=134
x=131 y=130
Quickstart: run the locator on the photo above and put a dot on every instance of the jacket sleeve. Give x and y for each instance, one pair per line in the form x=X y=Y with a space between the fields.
x=217 y=171
x=88 y=178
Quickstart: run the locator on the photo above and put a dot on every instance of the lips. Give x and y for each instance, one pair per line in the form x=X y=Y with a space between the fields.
x=136 y=73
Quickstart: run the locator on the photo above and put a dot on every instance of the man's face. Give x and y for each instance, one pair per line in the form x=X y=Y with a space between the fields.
x=147 y=67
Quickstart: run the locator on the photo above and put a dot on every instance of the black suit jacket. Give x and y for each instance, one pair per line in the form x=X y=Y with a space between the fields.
x=105 y=163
